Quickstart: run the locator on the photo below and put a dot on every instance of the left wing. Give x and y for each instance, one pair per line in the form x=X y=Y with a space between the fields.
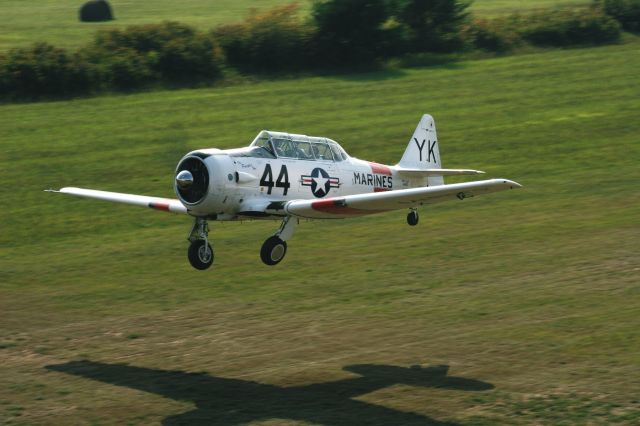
x=164 y=204
x=378 y=202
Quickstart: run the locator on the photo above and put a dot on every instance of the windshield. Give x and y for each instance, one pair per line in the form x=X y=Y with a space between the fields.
x=253 y=151
x=299 y=147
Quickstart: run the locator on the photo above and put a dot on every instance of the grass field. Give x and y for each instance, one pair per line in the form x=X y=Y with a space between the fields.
x=56 y=21
x=530 y=297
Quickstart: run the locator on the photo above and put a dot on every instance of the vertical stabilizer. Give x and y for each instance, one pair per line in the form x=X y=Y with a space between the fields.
x=422 y=151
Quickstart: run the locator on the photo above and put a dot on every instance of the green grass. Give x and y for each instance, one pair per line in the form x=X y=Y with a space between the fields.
x=492 y=8
x=56 y=21
x=533 y=292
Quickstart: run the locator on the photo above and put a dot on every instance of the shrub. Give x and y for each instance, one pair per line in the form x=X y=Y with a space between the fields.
x=492 y=36
x=270 y=41
x=626 y=12
x=140 y=55
x=43 y=70
x=123 y=69
x=349 y=33
x=570 y=27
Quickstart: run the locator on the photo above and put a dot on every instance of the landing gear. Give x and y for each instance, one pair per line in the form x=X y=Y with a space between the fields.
x=275 y=247
x=273 y=250
x=200 y=251
x=412 y=217
x=200 y=254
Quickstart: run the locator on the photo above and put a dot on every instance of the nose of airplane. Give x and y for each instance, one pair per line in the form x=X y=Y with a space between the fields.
x=184 y=179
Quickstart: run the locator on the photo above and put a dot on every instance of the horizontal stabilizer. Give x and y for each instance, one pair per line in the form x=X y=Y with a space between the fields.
x=164 y=204
x=438 y=172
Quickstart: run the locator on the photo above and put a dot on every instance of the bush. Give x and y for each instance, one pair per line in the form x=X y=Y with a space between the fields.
x=140 y=55
x=626 y=12
x=43 y=70
x=270 y=41
x=350 y=33
x=570 y=27
x=123 y=69
x=492 y=36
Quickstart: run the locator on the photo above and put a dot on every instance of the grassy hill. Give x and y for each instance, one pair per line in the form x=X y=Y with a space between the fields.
x=530 y=297
x=56 y=21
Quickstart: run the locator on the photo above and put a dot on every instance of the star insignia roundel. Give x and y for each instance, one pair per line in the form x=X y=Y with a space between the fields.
x=320 y=182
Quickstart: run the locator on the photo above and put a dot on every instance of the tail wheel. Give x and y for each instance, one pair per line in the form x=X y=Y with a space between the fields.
x=412 y=218
x=273 y=250
x=200 y=254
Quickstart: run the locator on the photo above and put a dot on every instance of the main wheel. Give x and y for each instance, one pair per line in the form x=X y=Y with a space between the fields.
x=273 y=250
x=200 y=254
x=412 y=218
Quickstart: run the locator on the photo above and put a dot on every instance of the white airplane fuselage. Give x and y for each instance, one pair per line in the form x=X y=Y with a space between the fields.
x=241 y=186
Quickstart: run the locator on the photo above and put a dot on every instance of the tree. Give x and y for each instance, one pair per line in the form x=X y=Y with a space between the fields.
x=432 y=25
x=349 y=32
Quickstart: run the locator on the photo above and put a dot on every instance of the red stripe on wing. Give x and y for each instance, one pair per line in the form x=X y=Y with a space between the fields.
x=159 y=206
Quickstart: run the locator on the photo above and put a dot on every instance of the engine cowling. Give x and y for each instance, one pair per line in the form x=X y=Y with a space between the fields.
x=192 y=180
x=204 y=182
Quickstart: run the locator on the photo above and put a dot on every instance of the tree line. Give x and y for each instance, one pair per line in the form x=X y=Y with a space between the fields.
x=339 y=35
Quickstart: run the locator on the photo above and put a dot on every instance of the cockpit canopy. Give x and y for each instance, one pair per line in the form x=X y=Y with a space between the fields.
x=270 y=144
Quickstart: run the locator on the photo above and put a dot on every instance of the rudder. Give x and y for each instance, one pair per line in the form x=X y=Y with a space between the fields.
x=422 y=151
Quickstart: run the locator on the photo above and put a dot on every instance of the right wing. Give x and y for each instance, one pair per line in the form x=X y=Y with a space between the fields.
x=378 y=202
x=164 y=204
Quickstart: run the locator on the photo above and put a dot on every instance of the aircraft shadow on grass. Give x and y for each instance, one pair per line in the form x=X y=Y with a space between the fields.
x=224 y=401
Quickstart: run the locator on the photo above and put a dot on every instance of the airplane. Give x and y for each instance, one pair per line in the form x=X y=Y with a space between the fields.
x=287 y=177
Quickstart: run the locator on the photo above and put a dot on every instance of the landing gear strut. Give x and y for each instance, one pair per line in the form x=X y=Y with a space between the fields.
x=200 y=251
x=275 y=247
x=412 y=217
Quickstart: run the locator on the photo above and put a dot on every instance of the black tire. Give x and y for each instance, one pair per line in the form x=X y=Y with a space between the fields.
x=273 y=250
x=413 y=218
x=200 y=257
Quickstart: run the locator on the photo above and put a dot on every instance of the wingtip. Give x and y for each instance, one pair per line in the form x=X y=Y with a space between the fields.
x=51 y=190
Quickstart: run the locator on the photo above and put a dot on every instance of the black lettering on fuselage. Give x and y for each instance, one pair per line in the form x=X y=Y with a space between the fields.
x=375 y=180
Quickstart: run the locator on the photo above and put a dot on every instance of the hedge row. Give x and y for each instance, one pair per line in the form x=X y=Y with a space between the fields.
x=173 y=54
x=170 y=54
x=553 y=28
x=626 y=12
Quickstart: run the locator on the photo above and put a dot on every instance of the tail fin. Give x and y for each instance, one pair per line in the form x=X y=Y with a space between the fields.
x=422 y=151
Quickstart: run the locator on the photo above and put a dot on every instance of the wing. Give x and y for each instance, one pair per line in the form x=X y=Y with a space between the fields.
x=363 y=204
x=164 y=204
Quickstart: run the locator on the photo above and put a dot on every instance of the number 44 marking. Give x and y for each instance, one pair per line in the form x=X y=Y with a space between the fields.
x=281 y=182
